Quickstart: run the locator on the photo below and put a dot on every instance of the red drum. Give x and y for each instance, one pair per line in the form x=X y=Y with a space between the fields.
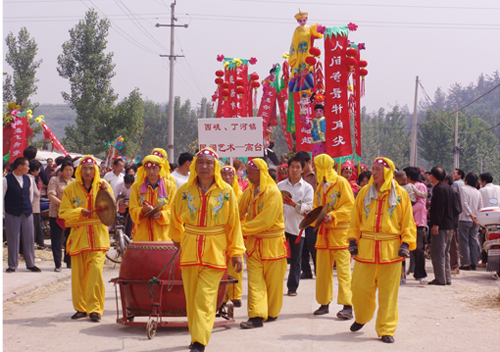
x=142 y=262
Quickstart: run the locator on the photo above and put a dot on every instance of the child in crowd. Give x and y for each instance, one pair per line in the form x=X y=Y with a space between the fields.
x=413 y=192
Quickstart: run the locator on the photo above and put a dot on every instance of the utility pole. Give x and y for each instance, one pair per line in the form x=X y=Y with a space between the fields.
x=456 y=148
x=172 y=56
x=413 y=151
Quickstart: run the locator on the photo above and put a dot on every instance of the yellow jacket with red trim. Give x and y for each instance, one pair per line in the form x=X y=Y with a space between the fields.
x=207 y=225
x=87 y=233
x=264 y=226
x=149 y=229
x=341 y=199
x=379 y=228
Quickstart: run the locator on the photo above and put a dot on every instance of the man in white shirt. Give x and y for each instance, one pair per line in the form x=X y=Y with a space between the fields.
x=123 y=191
x=115 y=176
x=181 y=175
x=458 y=179
x=18 y=190
x=293 y=210
x=489 y=192
x=468 y=226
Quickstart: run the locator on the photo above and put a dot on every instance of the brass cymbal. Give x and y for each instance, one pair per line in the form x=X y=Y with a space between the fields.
x=286 y=194
x=309 y=218
x=153 y=211
x=322 y=216
x=106 y=207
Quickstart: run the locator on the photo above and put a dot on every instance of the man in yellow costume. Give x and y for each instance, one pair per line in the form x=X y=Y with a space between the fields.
x=302 y=41
x=151 y=189
x=234 y=291
x=331 y=244
x=88 y=241
x=381 y=235
x=264 y=231
x=162 y=154
x=205 y=225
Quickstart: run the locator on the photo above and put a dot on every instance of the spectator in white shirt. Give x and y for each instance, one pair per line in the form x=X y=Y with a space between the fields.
x=123 y=192
x=489 y=192
x=301 y=200
x=115 y=176
x=468 y=226
x=181 y=174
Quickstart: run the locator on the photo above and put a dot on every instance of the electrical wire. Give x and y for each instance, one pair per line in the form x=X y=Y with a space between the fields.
x=195 y=79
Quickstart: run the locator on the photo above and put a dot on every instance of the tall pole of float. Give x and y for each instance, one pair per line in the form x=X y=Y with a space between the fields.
x=413 y=151
x=456 y=148
x=172 y=56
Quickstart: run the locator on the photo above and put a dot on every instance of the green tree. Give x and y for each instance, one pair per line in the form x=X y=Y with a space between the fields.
x=385 y=134
x=89 y=71
x=20 y=56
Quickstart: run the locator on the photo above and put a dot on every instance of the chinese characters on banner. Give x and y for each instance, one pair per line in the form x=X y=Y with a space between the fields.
x=302 y=134
x=236 y=104
x=267 y=105
x=19 y=139
x=338 y=133
x=232 y=137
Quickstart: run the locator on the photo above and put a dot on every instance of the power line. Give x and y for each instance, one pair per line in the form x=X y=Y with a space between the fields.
x=195 y=79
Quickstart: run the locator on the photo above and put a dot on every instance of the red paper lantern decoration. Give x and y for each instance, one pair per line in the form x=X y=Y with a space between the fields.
x=225 y=85
x=240 y=90
x=351 y=52
x=351 y=62
x=363 y=63
x=219 y=73
x=219 y=81
x=225 y=93
x=239 y=82
x=255 y=84
x=363 y=72
x=254 y=76
x=311 y=60
x=315 y=51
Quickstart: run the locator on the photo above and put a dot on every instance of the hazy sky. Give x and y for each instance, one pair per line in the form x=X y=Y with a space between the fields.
x=441 y=41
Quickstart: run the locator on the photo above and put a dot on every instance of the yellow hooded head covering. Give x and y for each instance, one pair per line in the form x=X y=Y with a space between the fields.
x=234 y=185
x=151 y=160
x=162 y=154
x=324 y=168
x=89 y=160
x=193 y=176
x=265 y=179
x=388 y=173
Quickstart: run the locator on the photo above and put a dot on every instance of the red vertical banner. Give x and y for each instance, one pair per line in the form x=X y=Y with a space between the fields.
x=282 y=97
x=221 y=103
x=302 y=134
x=231 y=107
x=356 y=107
x=267 y=105
x=241 y=102
x=19 y=140
x=338 y=132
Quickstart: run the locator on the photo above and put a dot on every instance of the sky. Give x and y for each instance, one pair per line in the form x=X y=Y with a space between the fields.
x=441 y=41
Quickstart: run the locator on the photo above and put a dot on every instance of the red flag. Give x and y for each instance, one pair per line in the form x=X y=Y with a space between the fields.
x=19 y=140
x=267 y=105
x=338 y=132
x=356 y=107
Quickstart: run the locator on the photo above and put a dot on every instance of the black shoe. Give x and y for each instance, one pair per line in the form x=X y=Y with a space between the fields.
x=237 y=303
x=345 y=313
x=95 y=317
x=271 y=319
x=322 y=310
x=304 y=276
x=473 y=267
x=387 y=339
x=35 y=269
x=196 y=347
x=291 y=293
x=435 y=282
x=356 y=326
x=252 y=323
x=466 y=268
x=79 y=315
x=448 y=283
x=10 y=270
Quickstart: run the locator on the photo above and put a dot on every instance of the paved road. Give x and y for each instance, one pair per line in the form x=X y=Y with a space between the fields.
x=462 y=317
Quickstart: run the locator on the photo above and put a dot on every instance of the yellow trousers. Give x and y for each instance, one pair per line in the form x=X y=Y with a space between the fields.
x=87 y=284
x=233 y=291
x=325 y=260
x=201 y=286
x=265 y=286
x=366 y=278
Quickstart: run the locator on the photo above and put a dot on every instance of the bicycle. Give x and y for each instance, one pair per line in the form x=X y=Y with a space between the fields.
x=119 y=241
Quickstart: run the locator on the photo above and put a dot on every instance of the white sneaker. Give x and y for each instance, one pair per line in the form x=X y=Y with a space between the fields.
x=423 y=281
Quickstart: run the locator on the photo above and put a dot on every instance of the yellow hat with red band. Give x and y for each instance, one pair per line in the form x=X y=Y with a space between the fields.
x=389 y=168
x=324 y=168
x=206 y=152
x=234 y=184
x=151 y=161
x=88 y=160
x=265 y=179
